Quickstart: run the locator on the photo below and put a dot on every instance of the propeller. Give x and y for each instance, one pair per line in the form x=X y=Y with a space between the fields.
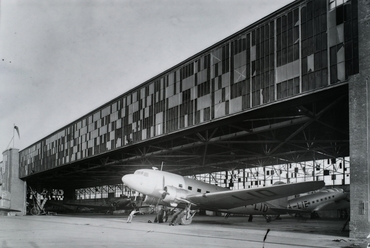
x=163 y=191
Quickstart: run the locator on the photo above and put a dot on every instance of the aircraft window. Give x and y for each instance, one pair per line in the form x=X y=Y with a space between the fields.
x=208 y=191
x=180 y=185
x=317 y=200
x=190 y=188
x=313 y=202
x=326 y=198
x=199 y=190
x=321 y=199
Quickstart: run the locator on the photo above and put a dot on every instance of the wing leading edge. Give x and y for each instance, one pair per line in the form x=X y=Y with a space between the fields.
x=238 y=198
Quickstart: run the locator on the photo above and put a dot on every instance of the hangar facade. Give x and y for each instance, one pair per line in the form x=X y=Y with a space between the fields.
x=285 y=89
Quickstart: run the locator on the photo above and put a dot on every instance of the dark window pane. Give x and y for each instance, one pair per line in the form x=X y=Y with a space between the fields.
x=348 y=50
x=340 y=15
x=333 y=74
x=290 y=20
x=304 y=66
x=295 y=16
x=324 y=59
x=296 y=51
x=323 y=23
x=309 y=10
x=347 y=12
x=303 y=14
x=333 y=55
x=324 y=77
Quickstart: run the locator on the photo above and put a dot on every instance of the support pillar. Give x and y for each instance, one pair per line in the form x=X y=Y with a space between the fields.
x=359 y=124
x=12 y=190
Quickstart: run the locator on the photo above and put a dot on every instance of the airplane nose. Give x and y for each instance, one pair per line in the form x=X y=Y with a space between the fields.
x=125 y=179
x=128 y=180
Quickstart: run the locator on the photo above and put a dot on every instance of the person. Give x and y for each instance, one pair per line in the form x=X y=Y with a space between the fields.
x=131 y=215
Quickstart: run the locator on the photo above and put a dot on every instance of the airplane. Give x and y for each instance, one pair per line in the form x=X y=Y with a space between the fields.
x=321 y=200
x=178 y=192
x=106 y=205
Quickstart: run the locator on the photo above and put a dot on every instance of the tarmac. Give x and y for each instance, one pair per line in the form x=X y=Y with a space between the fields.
x=99 y=230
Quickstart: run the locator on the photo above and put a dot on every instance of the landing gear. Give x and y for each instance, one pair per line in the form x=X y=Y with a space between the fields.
x=187 y=218
x=269 y=218
x=162 y=216
x=35 y=211
x=183 y=217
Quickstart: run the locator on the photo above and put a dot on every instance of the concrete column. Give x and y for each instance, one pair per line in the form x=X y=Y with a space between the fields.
x=13 y=190
x=359 y=124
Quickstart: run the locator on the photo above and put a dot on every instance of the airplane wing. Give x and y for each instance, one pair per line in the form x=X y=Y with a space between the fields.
x=102 y=206
x=238 y=198
x=67 y=205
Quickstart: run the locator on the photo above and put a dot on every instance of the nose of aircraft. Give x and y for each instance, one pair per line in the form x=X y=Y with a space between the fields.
x=128 y=180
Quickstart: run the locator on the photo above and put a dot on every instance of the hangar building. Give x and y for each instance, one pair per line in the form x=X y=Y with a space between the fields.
x=289 y=88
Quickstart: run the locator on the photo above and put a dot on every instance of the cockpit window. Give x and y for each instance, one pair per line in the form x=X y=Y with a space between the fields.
x=146 y=174
x=141 y=173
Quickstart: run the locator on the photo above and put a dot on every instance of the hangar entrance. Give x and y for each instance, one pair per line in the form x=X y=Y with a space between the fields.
x=307 y=128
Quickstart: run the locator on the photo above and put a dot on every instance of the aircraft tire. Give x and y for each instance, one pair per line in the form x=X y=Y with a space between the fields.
x=165 y=216
x=35 y=211
x=186 y=221
x=268 y=219
x=162 y=216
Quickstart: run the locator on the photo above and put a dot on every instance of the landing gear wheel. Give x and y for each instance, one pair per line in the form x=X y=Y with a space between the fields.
x=186 y=220
x=268 y=219
x=162 y=216
x=35 y=211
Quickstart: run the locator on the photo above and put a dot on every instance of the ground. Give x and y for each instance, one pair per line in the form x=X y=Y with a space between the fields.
x=98 y=230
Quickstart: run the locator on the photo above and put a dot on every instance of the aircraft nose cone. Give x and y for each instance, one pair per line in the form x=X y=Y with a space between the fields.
x=124 y=179
x=128 y=180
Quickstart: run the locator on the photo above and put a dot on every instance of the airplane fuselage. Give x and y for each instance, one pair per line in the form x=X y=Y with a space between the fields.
x=263 y=208
x=152 y=183
x=321 y=200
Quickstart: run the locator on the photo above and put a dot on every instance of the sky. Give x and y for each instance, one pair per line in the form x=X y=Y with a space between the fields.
x=60 y=60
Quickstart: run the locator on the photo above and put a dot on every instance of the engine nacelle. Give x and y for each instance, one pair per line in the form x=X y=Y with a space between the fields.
x=150 y=200
x=173 y=195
